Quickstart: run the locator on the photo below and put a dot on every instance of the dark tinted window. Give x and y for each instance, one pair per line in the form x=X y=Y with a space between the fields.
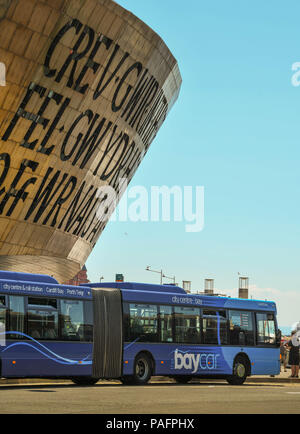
x=2 y=320
x=126 y=322
x=17 y=316
x=241 y=328
x=72 y=320
x=42 y=317
x=143 y=322
x=36 y=301
x=166 y=323
x=187 y=325
x=88 y=321
x=214 y=325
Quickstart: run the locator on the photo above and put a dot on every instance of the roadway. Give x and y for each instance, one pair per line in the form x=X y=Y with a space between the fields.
x=158 y=397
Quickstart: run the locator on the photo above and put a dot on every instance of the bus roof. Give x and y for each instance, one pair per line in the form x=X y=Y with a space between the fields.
x=27 y=277
x=137 y=287
x=39 y=286
x=170 y=294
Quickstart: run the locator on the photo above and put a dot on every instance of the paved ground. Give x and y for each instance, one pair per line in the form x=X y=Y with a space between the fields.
x=111 y=398
x=259 y=395
x=282 y=378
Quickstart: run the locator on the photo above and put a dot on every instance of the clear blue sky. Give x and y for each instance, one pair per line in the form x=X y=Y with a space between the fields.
x=235 y=130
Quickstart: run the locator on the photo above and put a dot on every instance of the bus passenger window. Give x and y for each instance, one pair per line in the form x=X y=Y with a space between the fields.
x=214 y=325
x=126 y=322
x=17 y=316
x=42 y=318
x=143 y=322
x=187 y=325
x=166 y=323
x=241 y=329
x=88 y=321
x=266 y=334
x=72 y=322
x=210 y=327
x=2 y=319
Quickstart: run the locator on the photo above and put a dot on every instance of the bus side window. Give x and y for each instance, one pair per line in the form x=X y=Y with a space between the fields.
x=126 y=322
x=2 y=319
x=266 y=330
x=187 y=325
x=17 y=316
x=143 y=322
x=241 y=328
x=72 y=320
x=88 y=321
x=210 y=326
x=214 y=326
x=42 y=317
x=166 y=324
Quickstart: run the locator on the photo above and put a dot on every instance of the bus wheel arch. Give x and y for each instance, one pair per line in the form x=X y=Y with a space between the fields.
x=241 y=369
x=144 y=367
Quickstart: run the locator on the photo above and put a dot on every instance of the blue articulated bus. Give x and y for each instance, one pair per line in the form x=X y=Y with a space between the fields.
x=130 y=332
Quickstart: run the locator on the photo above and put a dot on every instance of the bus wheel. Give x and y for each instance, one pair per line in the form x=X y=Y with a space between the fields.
x=85 y=381
x=182 y=379
x=142 y=369
x=240 y=371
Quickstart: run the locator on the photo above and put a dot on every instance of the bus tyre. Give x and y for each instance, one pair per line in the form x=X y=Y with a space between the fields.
x=85 y=381
x=182 y=379
x=239 y=372
x=142 y=369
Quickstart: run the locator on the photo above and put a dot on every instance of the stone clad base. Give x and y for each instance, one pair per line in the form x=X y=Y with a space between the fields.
x=40 y=265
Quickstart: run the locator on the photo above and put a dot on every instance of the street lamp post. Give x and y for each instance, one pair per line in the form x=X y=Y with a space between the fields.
x=161 y=275
x=172 y=278
x=155 y=271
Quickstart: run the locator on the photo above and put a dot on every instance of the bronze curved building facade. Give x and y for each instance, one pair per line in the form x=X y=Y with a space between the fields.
x=88 y=85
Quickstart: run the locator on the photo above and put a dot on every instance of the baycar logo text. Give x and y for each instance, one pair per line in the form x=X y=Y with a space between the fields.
x=195 y=362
